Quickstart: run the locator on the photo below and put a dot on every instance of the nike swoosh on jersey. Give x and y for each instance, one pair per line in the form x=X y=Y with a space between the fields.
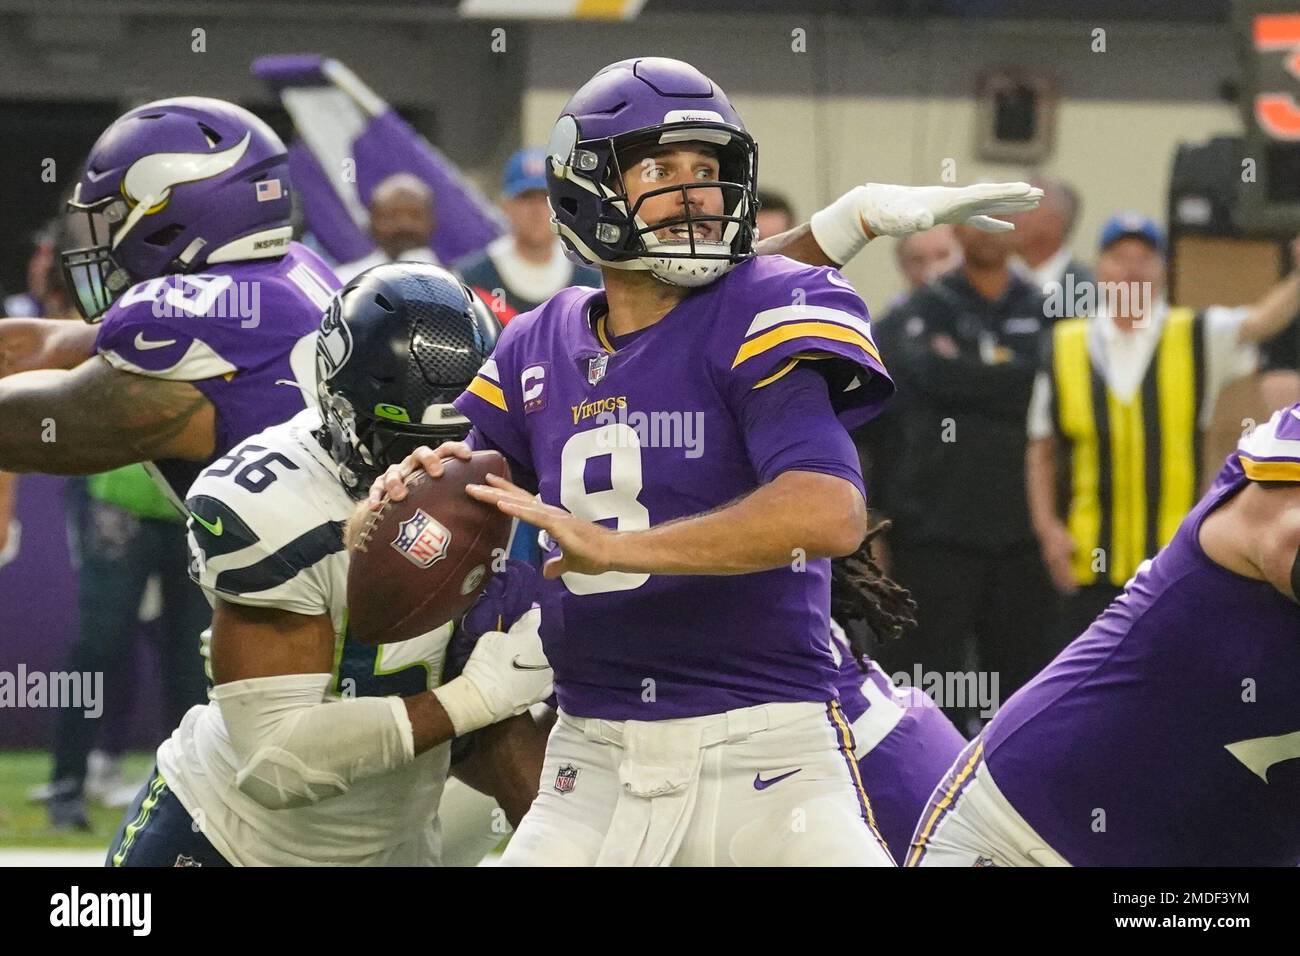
x=761 y=784
x=214 y=529
x=529 y=667
x=144 y=345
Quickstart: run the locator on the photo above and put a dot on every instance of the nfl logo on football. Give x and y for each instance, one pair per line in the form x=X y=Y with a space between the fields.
x=566 y=778
x=422 y=539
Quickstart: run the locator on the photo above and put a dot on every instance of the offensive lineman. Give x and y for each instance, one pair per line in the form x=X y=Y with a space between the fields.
x=317 y=749
x=680 y=692
x=1168 y=733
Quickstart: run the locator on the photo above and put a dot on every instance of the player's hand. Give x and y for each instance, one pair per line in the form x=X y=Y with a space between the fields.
x=393 y=481
x=510 y=669
x=585 y=547
x=1058 y=555
x=879 y=209
x=902 y=210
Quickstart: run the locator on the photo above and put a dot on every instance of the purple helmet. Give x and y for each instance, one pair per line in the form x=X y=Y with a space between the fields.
x=637 y=103
x=174 y=186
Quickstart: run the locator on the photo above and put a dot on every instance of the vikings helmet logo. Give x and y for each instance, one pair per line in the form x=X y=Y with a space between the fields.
x=151 y=178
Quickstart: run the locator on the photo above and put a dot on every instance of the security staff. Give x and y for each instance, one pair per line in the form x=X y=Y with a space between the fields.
x=963 y=351
x=1118 y=411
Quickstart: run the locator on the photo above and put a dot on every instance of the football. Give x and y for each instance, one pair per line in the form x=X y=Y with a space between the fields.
x=422 y=561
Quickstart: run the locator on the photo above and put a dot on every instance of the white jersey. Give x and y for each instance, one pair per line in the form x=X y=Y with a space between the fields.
x=267 y=531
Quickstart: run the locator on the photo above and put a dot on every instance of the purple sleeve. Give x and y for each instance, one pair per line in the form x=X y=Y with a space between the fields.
x=789 y=425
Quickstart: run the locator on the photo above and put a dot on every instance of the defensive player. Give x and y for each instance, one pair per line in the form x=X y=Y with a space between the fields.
x=683 y=422
x=316 y=749
x=202 y=302
x=1168 y=734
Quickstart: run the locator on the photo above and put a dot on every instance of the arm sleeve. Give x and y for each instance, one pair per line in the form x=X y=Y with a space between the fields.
x=143 y=334
x=283 y=567
x=1271 y=452
x=493 y=402
x=790 y=425
x=809 y=317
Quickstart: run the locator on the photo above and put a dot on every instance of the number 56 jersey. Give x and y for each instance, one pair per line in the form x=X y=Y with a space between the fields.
x=653 y=427
x=266 y=530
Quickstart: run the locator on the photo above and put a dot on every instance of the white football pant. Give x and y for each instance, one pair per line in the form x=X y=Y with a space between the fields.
x=968 y=822
x=772 y=785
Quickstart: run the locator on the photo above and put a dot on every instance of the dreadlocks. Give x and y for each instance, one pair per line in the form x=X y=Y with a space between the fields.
x=862 y=594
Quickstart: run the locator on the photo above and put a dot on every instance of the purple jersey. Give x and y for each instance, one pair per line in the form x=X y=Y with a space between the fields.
x=903 y=742
x=1168 y=734
x=652 y=431
x=233 y=331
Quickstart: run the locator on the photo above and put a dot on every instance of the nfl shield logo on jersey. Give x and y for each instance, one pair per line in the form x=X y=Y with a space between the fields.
x=596 y=368
x=183 y=860
x=566 y=778
x=422 y=539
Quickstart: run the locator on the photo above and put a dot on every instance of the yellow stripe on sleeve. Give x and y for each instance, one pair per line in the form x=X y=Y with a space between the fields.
x=490 y=392
x=1270 y=470
x=797 y=330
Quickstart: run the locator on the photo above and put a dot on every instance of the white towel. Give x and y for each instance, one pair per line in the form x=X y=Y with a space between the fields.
x=659 y=777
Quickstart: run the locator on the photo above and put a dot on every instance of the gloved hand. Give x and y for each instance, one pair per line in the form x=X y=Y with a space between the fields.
x=506 y=673
x=877 y=209
x=509 y=595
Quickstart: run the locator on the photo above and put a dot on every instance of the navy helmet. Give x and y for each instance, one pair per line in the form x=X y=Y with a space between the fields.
x=396 y=346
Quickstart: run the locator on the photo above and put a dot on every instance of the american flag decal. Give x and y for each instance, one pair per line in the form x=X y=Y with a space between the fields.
x=269 y=189
x=422 y=540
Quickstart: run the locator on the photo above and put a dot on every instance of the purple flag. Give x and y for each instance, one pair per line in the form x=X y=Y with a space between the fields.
x=350 y=141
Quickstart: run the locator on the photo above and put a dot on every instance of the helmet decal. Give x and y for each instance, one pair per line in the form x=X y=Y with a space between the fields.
x=152 y=177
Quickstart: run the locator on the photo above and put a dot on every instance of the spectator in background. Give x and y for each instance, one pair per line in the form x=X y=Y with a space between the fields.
x=39 y=268
x=402 y=222
x=1118 y=412
x=924 y=256
x=123 y=532
x=1043 y=254
x=963 y=351
x=775 y=214
x=519 y=271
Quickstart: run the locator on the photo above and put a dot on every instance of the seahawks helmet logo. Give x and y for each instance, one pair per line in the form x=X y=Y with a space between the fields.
x=333 y=343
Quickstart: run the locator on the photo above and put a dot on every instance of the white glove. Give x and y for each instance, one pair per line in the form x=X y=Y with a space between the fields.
x=505 y=675
x=841 y=228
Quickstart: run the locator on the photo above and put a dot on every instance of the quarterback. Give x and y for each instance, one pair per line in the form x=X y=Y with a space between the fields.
x=686 y=606
x=316 y=749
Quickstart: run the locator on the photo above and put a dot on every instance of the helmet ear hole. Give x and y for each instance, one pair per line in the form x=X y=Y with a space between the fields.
x=384 y=303
x=569 y=205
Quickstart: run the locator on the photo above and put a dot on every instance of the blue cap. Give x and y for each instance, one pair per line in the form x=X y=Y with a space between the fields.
x=525 y=170
x=1134 y=224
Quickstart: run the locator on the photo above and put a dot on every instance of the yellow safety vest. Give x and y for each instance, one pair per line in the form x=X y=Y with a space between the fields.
x=1133 y=466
